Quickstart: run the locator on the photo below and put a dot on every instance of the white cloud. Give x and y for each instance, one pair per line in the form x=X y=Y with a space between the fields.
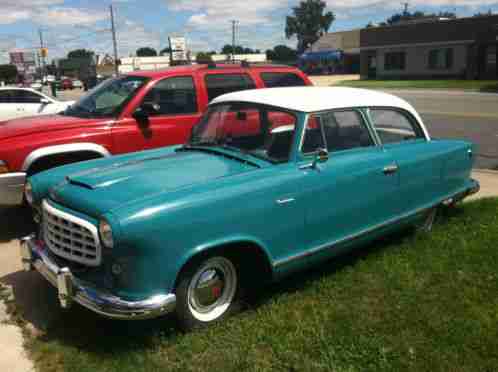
x=68 y=16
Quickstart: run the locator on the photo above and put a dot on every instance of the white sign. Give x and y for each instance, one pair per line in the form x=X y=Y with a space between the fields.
x=178 y=47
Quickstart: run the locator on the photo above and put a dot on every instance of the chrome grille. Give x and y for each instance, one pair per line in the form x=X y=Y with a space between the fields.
x=70 y=237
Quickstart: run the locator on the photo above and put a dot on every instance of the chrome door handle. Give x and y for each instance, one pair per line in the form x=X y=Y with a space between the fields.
x=390 y=169
x=285 y=201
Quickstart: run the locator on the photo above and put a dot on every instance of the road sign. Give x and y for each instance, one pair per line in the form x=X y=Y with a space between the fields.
x=178 y=47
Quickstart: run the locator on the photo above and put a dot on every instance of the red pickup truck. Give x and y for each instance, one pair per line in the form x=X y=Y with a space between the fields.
x=133 y=112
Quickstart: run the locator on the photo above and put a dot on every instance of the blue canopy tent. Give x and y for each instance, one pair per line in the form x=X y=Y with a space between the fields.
x=311 y=61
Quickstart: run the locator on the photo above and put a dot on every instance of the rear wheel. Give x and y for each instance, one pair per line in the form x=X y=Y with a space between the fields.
x=207 y=292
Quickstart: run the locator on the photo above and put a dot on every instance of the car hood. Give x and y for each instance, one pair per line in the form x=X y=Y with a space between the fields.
x=100 y=190
x=42 y=123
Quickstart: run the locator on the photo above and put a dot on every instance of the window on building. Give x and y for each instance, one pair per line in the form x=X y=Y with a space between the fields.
x=336 y=131
x=282 y=79
x=491 y=56
x=393 y=126
x=174 y=96
x=219 y=84
x=395 y=61
x=441 y=59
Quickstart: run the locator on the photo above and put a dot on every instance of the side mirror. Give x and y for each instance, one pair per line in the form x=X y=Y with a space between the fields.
x=322 y=156
x=45 y=101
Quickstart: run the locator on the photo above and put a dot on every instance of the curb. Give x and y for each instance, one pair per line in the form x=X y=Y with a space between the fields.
x=486 y=171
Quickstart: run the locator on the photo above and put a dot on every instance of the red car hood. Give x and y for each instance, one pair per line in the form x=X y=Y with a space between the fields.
x=44 y=123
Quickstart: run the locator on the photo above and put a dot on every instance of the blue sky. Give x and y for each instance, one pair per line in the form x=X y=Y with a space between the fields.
x=70 y=24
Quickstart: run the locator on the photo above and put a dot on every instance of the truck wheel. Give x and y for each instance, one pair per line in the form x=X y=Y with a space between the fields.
x=207 y=292
x=60 y=160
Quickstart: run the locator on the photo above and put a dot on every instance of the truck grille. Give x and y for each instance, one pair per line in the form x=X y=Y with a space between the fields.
x=70 y=237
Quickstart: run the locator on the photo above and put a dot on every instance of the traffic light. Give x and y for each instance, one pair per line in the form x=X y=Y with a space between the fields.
x=44 y=52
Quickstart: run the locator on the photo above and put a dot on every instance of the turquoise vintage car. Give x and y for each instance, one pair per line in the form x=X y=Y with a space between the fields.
x=271 y=181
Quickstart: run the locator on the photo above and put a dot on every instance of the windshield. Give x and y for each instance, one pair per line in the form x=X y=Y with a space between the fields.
x=108 y=98
x=257 y=130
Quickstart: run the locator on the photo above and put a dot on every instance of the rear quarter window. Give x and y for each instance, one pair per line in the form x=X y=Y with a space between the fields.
x=393 y=126
x=282 y=79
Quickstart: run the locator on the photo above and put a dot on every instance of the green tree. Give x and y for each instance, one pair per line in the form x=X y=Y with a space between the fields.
x=409 y=16
x=203 y=57
x=80 y=53
x=8 y=73
x=165 y=51
x=146 y=52
x=308 y=22
x=281 y=53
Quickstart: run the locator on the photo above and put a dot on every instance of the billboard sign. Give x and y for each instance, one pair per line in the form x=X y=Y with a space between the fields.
x=24 y=61
x=178 y=47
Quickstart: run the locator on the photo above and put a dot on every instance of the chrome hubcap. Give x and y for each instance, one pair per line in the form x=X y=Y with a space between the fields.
x=212 y=289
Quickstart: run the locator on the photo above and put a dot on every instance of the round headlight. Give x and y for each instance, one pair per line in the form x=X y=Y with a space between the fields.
x=28 y=193
x=105 y=232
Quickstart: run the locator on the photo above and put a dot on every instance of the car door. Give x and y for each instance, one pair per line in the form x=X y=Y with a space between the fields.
x=29 y=102
x=354 y=192
x=173 y=110
x=420 y=161
x=8 y=108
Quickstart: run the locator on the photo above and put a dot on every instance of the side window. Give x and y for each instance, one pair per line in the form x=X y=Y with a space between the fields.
x=392 y=126
x=282 y=79
x=6 y=96
x=174 y=96
x=336 y=131
x=219 y=84
x=25 y=96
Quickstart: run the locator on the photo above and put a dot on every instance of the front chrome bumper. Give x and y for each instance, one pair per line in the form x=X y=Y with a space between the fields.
x=11 y=189
x=72 y=289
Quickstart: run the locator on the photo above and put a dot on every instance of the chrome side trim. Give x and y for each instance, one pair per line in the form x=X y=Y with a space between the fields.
x=71 y=289
x=457 y=197
x=63 y=149
x=11 y=189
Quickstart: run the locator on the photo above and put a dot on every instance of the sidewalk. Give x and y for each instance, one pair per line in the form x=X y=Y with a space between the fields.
x=489 y=183
x=31 y=291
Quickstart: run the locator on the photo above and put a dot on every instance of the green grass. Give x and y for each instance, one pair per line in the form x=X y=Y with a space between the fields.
x=471 y=85
x=413 y=302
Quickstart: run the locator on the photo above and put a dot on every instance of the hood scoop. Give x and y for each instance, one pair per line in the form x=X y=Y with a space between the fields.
x=94 y=186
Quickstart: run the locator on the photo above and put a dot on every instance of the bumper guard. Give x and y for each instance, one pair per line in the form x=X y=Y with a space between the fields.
x=71 y=289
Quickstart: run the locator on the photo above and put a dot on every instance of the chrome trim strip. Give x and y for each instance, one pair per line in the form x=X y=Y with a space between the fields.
x=12 y=188
x=456 y=196
x=78 y=221
x=62 y=149
x=101 y=302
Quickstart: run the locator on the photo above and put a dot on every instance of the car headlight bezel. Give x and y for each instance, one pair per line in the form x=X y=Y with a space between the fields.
x=106 y=234
x=28 y=193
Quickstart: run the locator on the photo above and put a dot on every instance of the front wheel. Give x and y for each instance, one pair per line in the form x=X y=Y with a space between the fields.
x=207 y=292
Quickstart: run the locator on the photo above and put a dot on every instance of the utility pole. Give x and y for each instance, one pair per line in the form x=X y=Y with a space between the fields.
x=405 y=5
x=234 y=24
x=42 y=53
x=114 y=42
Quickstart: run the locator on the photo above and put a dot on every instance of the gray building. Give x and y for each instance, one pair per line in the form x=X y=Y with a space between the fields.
x=437 y=48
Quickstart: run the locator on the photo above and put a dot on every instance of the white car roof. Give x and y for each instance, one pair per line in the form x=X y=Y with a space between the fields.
x=314 y=99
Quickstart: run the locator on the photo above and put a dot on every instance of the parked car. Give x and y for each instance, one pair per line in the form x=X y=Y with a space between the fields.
x=21 y=102
x=66 y=84
x=134 y=112
x=77 y=84
x=270 y=181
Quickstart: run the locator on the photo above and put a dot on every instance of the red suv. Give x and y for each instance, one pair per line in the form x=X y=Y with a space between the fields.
x=133 y=112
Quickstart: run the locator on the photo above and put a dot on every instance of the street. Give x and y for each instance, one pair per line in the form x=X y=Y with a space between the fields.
x=465 y=115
